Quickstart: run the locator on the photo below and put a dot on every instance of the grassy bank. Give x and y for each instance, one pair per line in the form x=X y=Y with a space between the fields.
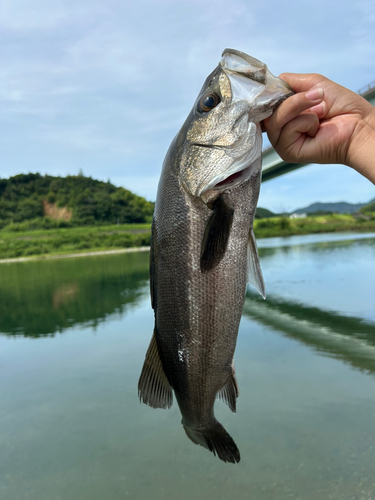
x=283 y=226
x=72 y=240
x=85 y=239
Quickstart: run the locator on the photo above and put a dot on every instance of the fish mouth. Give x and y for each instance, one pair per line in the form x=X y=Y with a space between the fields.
x=251 y=80
x=235 y=179
x=242 y=64
x=237 y=62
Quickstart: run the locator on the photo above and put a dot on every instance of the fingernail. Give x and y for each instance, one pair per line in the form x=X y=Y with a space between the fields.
x=319 y=109
x=315 y=95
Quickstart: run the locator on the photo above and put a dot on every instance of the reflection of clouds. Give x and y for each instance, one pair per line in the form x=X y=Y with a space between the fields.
x=64 y=293
x=267 y=247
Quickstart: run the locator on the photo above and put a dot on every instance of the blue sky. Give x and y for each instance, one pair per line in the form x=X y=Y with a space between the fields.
x=105 y=86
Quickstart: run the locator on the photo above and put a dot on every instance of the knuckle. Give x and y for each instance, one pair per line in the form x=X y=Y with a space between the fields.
x=316 y=77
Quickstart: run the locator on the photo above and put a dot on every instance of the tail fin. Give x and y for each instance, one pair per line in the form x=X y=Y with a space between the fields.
x=216 y=439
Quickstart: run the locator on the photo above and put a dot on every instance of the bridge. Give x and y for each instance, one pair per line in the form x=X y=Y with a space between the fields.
x=274 y=166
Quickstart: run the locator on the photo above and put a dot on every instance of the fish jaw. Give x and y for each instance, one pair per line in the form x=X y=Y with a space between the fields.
x=234 y=165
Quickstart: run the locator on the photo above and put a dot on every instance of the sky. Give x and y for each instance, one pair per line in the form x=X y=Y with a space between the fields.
x=104 y=86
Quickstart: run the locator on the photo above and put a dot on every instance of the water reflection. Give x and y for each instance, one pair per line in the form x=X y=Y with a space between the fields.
x=72 y=425
x=44 y=297
x=320 y=239
x=319 y=243
x=348 y=338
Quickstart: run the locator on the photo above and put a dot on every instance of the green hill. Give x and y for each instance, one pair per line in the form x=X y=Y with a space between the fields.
x=262 y=213
x=341 y=207
x=73 y=200
x=369 y=208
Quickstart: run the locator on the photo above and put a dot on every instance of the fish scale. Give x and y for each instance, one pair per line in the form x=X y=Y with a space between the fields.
x=203 y=247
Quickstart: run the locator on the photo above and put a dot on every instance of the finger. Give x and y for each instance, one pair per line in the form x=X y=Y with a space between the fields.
x=320 y=110
x=294 y=135
x=303 y=82
x=304 y=124
x=289 y=110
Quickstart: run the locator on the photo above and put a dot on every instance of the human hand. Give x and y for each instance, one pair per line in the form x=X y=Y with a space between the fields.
x=324 y=123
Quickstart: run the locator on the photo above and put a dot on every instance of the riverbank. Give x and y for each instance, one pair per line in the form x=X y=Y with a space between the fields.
x=16 y=246
x=72 y=241
x=284 y=226
x=74 y=255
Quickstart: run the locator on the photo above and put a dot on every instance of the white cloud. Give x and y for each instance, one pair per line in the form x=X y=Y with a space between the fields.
x=46 y=15
x=106 y=85
x=21 y=15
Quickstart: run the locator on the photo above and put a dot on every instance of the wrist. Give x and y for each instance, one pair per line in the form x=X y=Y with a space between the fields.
x=361 y=152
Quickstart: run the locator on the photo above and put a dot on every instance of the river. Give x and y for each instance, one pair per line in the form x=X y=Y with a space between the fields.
x=73 y=336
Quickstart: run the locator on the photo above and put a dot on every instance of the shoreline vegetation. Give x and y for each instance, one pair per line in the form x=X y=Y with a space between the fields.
x=18 y=244
x=43 y=216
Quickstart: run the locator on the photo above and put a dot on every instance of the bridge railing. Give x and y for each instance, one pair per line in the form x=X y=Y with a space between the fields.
x=367 y=88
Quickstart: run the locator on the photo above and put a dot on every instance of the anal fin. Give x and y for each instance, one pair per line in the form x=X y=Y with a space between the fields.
x=153 y=386
x=229 y=393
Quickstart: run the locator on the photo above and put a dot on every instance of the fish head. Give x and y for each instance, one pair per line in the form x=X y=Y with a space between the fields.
x=223 y=136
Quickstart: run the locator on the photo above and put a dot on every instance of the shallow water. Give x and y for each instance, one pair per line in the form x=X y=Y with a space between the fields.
x=73 y=337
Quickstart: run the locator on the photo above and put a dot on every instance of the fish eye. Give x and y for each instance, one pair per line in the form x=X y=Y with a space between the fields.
x=208 y=102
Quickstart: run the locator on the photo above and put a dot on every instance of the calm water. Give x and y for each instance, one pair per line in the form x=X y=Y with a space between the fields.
x=73 y=335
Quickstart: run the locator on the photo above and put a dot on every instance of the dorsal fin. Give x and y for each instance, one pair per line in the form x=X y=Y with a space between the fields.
x=216 y=235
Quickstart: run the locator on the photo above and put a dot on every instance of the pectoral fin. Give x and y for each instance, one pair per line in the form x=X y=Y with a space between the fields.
x=153 y=386
x=254 y=271
x=216 y=236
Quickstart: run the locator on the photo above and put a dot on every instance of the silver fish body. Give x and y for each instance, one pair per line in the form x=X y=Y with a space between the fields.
x=203 y=247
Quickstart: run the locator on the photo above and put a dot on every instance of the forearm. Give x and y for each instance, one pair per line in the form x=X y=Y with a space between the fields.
x=361 y=153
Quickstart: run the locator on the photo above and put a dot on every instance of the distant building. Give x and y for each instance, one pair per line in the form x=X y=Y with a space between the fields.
x=298 y=216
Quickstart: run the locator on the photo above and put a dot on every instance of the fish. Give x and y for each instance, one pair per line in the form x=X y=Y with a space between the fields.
x=203 y=250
